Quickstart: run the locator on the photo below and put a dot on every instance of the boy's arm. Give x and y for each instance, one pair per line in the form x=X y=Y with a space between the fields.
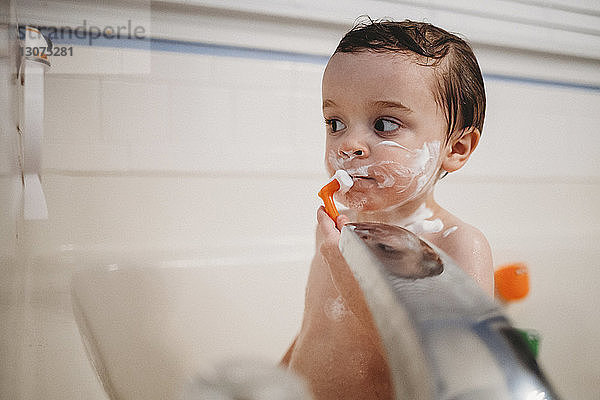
x=473 y=254
x=285 y=361
x=328 y=237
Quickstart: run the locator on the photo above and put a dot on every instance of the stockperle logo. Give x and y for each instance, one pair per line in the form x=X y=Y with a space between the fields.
x=88 y=32
x=65 y=46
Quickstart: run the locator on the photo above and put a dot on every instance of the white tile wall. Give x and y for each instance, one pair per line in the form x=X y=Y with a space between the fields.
x=72 y=112
x=194 y=114
x=134 y=113
x=511 y=211
x=115 y=212
x=12 y=275
x=539 y=131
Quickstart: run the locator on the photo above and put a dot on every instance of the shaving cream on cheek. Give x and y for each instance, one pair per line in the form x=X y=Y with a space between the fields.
x=426 y=160
x=398 y=175
x=421 y=165
x=393 y=144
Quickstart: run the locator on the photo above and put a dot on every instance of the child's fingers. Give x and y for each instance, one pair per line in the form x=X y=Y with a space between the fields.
x=330 y=238
x=341 y=221
x=325 y=222
x=325 y=219
x=329 y=234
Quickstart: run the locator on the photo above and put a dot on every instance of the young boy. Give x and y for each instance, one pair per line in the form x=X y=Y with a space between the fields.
x=404 y=104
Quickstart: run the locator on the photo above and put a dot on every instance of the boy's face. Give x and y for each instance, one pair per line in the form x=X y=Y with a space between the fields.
x=384 y=127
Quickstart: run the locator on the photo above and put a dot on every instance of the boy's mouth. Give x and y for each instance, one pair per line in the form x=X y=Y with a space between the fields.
x=361 y=174
x=357 y=178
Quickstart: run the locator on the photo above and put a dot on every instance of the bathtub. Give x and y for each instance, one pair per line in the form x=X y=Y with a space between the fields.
x=150 y=326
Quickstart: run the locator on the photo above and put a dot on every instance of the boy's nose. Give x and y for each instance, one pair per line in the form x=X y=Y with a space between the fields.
x=353 y=151
x=356 y=153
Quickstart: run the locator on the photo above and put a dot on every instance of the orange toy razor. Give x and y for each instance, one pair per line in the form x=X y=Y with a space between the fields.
x=339 y=181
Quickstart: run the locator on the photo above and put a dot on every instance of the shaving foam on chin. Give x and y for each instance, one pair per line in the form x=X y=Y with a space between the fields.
x=341 y=181
x=416 y=171
x=344 y=179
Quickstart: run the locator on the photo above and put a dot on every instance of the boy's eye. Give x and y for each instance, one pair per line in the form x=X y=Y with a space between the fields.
x=335 y=124
x=385 y=125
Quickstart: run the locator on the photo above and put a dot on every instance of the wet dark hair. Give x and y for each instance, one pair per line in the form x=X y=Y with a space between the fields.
x=459 y=87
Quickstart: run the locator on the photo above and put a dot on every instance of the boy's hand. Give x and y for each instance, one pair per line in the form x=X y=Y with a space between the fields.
x=328 y=237
x=325 y=220
x=328 y=231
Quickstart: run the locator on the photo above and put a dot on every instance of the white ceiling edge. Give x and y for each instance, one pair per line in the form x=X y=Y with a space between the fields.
x=555 y=44
x=493 y=22
x=505 y=23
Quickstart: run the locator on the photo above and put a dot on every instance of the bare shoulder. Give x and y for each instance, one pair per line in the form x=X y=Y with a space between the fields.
x=469 y=247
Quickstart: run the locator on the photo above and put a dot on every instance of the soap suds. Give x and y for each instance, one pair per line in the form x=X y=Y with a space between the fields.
x=419 y=222
x=423 y=159
x=449 y=231
x=335 y=309
x=392 y=144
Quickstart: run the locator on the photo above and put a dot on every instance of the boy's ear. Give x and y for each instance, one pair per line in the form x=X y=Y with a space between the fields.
x=459 y=150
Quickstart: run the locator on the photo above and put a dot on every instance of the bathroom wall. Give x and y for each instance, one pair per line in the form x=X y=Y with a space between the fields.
x=11 y=275
x=198 y=146
x=41 y=355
